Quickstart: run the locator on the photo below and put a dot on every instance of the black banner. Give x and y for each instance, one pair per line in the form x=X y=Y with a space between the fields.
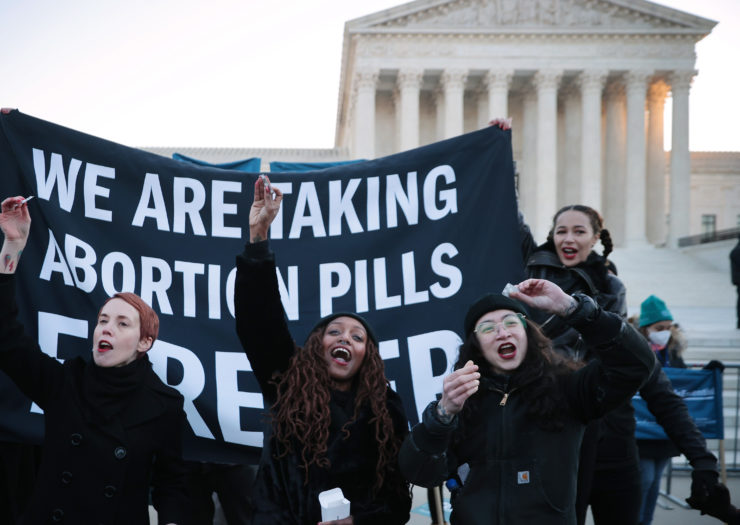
x=408 y=241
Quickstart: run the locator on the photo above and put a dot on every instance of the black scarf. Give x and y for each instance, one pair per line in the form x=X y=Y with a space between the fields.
x=109 y=390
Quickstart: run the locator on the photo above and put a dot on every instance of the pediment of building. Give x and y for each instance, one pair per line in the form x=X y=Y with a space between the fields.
x=567 y=15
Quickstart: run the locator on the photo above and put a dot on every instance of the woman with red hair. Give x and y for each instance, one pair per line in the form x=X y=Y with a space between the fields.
x=112 y=428
x=335 y=422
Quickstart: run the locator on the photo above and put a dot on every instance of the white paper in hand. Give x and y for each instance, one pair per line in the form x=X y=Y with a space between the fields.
x=334 y=506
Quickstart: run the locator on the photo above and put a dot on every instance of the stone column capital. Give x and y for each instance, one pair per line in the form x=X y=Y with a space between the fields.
x=637 y=79
x=681 y=79
x=547 y=79
x=568 y=90
x=657 y=92
x=498 y=78
x=454 y=78
x=409 y=78
x=366 y=78
x=615 y=89
x=592 y=79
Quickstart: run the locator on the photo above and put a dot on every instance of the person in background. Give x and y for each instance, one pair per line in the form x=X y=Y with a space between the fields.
x=514 y=412
x=335 y=421
x=111 y=425
x=735 y=274
x=668 y=342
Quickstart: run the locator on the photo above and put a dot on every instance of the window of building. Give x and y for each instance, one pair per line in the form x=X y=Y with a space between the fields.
x=708 y=225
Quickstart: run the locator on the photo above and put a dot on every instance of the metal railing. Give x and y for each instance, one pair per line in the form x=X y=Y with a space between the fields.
x=702 y=238
x=731 y=465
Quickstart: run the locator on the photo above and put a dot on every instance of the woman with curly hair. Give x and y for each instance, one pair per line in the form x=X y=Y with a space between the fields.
x=512 y=414
x=335 y=422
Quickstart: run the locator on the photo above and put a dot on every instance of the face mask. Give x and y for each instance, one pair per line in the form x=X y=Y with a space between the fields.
x=660 y=338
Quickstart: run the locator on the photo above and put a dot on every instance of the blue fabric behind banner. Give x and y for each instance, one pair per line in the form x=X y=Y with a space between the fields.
x=279 y=167
x=251 y=165
x=701 y=390
x=409 y=241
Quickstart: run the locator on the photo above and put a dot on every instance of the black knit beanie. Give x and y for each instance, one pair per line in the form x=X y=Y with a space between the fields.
x=329 y=318
x=489 y=303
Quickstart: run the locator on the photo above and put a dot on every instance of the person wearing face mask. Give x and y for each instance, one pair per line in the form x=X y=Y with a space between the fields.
x=609 y=478
x=112 y=427
x=334 y=420
x=668 y=342
x=514 y=411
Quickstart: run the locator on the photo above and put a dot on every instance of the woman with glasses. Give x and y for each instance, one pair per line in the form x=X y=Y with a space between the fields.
x=334 y=420
x=512 y=414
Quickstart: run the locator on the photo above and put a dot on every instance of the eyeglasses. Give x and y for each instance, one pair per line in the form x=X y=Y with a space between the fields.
x=509 y=323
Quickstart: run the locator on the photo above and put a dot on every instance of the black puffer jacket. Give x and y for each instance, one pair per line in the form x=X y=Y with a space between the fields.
x=281 y=494
x=520 y=472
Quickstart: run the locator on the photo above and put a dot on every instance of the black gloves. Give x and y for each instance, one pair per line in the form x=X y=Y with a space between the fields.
x=702 y=484
x=717 y=504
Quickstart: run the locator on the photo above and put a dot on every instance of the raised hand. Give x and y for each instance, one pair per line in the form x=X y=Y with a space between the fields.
x=503 y=123
x=15 y=223
x=544 y=295
x=265 y=207
x=457 y=388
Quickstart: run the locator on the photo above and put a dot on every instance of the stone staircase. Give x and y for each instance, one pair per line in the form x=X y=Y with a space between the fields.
x=695 y=284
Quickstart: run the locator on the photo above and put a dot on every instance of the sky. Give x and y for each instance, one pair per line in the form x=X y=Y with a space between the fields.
x=247 y=73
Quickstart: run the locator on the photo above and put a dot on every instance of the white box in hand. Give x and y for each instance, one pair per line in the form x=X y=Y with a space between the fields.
x=334 y=506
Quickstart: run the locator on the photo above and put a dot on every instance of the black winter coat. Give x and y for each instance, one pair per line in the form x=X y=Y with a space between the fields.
x=617 y=447
x=519 y=471
x=95 y=470
x=280 y=493
x=735 y=264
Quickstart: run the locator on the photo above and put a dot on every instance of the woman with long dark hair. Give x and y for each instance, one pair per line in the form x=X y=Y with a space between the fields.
x=512 y=414
x=334 y=421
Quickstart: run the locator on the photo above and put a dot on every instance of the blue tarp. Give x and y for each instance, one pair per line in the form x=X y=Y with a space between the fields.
x=701 y=390
x=279 y=167
x=249 y=165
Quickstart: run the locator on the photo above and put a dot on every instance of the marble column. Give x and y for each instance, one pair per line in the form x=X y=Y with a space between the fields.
x=439 y=105
x=453 y=85
x=615 y=171
x=497 y=83
x=635 y=225
x=570 y=178
x=365 y=84
x=527 y=167
x=592 y=83
x=409 y=86
x=546 y=83
x=680 y=157
x=481 y=104
x=656 y=193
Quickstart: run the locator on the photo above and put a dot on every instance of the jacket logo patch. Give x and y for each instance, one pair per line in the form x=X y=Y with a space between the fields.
x=522 y=477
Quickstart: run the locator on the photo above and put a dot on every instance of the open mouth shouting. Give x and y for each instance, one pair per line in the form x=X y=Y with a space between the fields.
x=507 y=351
x=104 y=346
x=341 y=355
x=569 y=252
